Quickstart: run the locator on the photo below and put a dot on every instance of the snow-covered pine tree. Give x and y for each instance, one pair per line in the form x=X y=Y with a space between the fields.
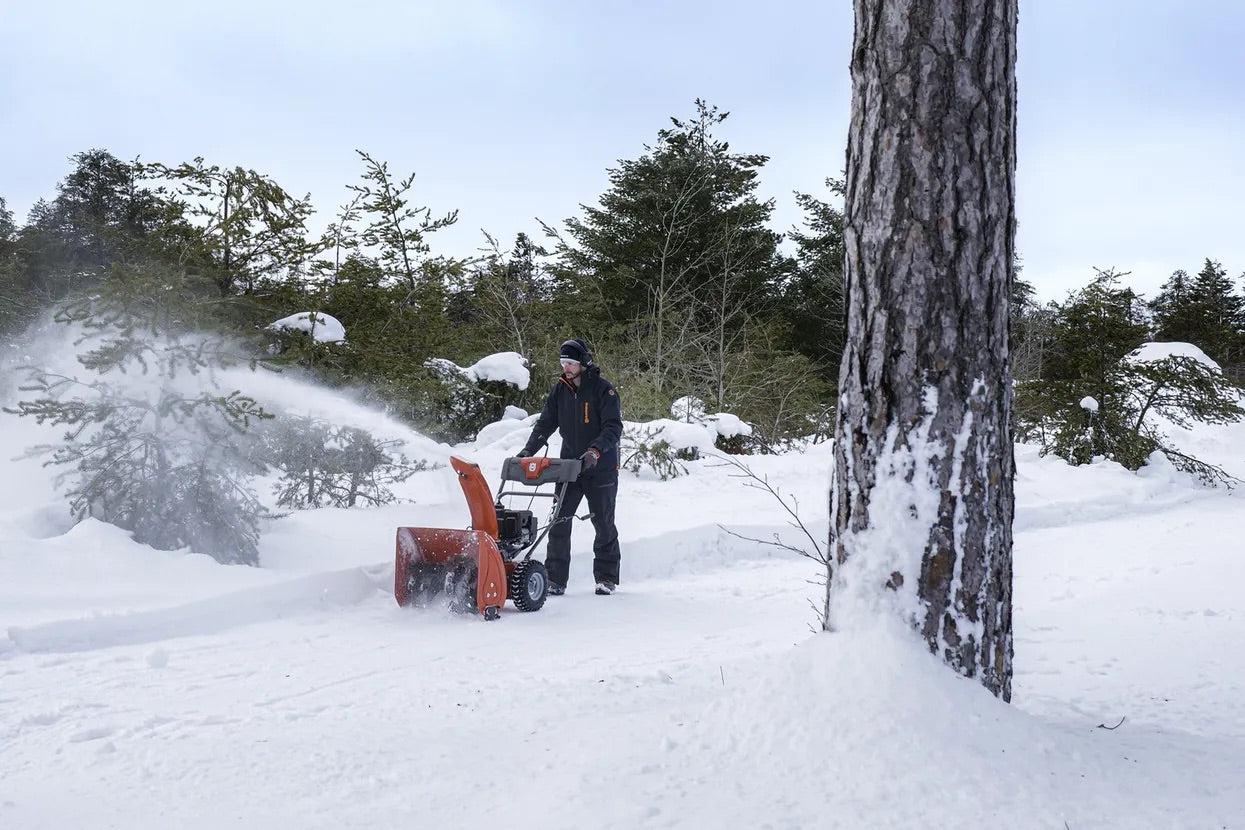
x=921 y=500
x=1119 y=424
x=152 y=445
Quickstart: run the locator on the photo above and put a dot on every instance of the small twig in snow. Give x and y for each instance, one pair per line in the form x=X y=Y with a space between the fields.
x=1117 y=726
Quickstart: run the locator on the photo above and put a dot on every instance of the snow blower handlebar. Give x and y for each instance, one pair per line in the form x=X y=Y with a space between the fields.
x=537 y=471
x=534 y=472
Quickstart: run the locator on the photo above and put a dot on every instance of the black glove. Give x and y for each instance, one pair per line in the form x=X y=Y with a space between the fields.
x=589 y=460
x=526 y=452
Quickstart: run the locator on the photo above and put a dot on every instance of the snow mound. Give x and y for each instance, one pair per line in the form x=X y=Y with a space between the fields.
x=679 y=435
x=900 y=741
x=503 y=367
x=324 y=328
x=506 y=367
x=728 y=425
x=1150 y=352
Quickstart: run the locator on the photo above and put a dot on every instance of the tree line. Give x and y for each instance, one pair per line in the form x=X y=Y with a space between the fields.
x=674 y=277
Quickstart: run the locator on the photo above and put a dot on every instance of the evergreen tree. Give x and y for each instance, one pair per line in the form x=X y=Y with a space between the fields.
x=676 y=261
x=101 y=215
x=328 y=465
x=249 y=233
x=341 y=238
x=1089 y=333
x=813 y=299
x=1096 y=395
x=395 y=230
x=1176 y=315
x=14 y=297
x=154 y=447
x=1115 y=423
x=8 y=230
x=1094 y=328
x=1220 y=314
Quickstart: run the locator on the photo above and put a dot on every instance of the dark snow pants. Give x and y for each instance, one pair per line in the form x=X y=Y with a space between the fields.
x=601 y=490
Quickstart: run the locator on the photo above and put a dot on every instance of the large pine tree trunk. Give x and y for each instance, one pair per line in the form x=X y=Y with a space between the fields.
x=922 y=502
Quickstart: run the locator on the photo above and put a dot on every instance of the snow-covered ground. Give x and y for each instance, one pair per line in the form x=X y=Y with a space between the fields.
x=150 y=689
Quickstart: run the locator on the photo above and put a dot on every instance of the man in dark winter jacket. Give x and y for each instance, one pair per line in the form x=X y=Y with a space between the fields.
x=584 y=408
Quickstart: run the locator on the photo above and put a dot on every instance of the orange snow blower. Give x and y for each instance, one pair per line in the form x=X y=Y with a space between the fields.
x=477 y=569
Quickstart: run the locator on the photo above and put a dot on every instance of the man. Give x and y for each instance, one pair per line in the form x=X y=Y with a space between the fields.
x=584 y=408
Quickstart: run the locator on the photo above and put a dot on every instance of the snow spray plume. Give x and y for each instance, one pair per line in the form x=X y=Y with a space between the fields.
x=166 y=431
x=152 y=442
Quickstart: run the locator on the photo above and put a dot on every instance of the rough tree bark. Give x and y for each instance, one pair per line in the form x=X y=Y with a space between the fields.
x=922 y=501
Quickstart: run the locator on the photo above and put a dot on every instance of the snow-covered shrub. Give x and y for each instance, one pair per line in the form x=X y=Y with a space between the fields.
x=1122 y=418
x=661 y=446
x=659 y=457
x=731 y=433
x=310 y=339
x=320 y=327
x=469 y=398
x=328 y=465
x=688 y=409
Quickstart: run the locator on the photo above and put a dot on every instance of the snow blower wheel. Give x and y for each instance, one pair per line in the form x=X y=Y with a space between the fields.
x=529 y=585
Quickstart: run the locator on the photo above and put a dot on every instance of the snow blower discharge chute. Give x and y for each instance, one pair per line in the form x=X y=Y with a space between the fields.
x=478 y=569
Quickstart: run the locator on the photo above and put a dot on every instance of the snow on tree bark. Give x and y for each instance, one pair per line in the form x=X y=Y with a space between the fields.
x=922 y=500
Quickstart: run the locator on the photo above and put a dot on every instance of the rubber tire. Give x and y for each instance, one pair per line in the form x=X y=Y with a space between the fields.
x=529 y=585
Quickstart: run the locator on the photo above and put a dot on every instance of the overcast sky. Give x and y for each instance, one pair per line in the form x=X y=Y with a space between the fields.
x=1131 y=112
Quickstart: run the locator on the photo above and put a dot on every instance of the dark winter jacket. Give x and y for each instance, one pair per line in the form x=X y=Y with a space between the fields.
x=587 y=417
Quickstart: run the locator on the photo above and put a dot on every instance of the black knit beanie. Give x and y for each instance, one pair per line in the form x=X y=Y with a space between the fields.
x=576 y=350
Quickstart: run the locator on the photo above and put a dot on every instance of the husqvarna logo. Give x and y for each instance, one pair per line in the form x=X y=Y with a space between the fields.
x=531 y=466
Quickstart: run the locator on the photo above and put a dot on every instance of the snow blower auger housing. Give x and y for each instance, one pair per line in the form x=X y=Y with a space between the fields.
x=477 y=569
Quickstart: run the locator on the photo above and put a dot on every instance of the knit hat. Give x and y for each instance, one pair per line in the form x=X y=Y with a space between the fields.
x=576 y=350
